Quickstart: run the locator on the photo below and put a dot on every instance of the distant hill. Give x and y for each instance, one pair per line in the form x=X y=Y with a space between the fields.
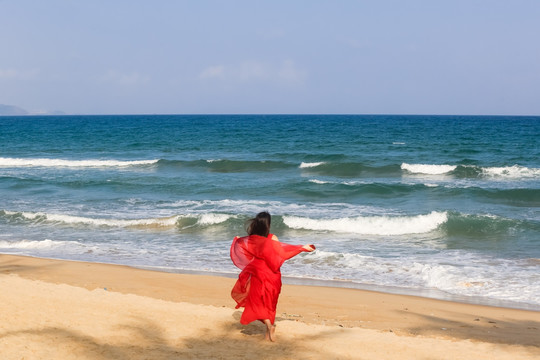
x=12 y=110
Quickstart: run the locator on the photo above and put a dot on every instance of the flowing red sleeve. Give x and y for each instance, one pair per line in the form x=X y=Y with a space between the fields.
x=274 y=253
x=277 y=252
x=241 y=255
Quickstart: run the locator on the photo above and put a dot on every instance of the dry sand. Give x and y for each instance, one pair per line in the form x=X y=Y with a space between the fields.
x=52 y=309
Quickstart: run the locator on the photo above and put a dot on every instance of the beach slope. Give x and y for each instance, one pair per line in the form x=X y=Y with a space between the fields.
x=53 y=309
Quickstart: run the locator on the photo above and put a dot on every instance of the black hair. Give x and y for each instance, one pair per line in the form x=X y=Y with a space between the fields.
x=259 y=225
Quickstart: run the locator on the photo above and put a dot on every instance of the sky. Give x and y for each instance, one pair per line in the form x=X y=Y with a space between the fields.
x=466 y=57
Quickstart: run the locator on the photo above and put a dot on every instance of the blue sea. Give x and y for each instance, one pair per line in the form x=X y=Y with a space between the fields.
x=439 y=206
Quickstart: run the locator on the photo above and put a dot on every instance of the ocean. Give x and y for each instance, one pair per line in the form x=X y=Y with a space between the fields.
x=439 y=206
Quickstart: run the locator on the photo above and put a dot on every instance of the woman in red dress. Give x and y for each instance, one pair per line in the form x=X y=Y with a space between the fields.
x=260 y=256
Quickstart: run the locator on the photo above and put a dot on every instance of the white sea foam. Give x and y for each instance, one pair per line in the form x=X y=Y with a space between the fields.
x=212 y=218
x=453 y=272
x=428 y=168
x=434 y=275
x=473 y=278
x=371 y=225
x=305 y=165
x=353 y=183
x=348 y=183
x=44 y=162
x=70 y=219
x=315 y=181
x=512 y=172
x=170 y=221
x=30 y=244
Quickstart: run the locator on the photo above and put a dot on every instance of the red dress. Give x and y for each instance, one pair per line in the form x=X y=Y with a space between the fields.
x=259 y=283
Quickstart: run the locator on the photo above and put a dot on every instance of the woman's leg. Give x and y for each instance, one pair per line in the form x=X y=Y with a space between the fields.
x=270 y=330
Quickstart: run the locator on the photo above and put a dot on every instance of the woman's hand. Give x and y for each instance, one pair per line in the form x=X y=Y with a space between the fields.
x=309 y=248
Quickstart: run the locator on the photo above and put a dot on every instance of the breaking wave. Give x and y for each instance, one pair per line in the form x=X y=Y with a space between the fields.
x=472 y=171
x=428 y=169
x=372 y=225
x=92 y=163
x=451 y=223
x=305 y=165
x=514 y=172
x=181 y=221
x=30 y=244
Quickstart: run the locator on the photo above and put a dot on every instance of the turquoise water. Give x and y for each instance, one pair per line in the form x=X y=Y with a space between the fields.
x=444 y=206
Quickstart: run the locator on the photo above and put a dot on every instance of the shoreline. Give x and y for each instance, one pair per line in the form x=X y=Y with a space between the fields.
x=434 y=294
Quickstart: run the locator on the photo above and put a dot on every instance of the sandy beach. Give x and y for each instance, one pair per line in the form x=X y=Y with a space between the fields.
x=55 y=309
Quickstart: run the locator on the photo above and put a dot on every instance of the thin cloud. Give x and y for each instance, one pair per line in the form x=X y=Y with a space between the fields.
x=290 y=73
x=124 y=79
x=253 y=71
x=216 y=71
x=286 y=72
x=18 y=74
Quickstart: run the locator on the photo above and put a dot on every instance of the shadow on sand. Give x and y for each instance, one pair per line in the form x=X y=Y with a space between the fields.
x=147 y=340
x=479 y=328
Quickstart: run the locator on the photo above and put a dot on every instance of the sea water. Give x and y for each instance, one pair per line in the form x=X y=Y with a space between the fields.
x=442 y=206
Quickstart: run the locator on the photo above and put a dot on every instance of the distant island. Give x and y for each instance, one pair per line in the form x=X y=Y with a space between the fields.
x=12 y=110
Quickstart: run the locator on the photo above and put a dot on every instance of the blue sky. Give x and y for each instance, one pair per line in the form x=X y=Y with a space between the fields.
x=336 y=57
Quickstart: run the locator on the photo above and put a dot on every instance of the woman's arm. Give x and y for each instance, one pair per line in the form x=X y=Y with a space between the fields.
x=307 y=247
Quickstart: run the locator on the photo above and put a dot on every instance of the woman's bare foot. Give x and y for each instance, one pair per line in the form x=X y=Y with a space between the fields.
x=270 y=331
